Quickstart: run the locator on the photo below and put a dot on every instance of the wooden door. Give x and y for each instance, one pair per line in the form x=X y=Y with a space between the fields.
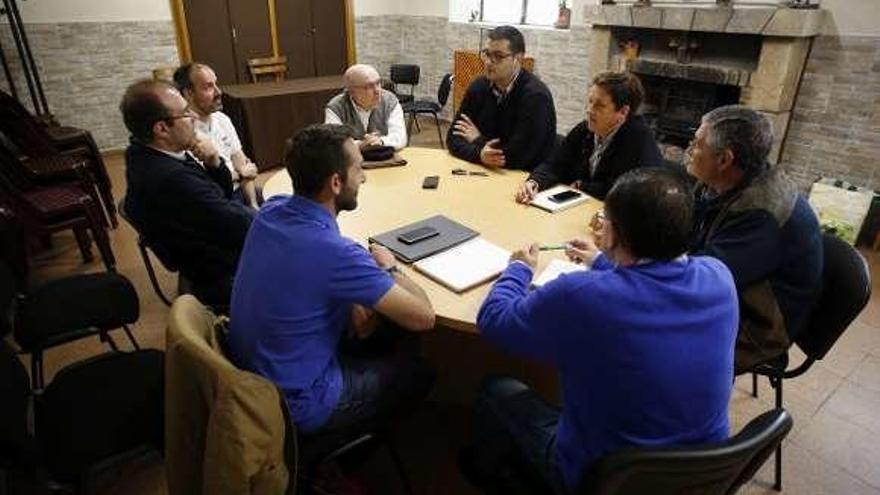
x=294 y=19
x=329 y=36
x=210 y=37
x=251 y=33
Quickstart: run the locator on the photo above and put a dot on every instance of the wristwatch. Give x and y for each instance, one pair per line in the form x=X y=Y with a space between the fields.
x=392 y=270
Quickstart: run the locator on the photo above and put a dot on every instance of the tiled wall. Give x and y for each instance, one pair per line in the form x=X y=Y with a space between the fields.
x=86 y=66
x=835 y=128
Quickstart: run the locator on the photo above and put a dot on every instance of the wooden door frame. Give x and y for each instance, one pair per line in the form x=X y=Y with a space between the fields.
x=184 y=49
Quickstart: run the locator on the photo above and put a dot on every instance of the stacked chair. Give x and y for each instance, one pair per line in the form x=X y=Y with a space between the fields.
x=55 y=153
x=95 y=412
x=54 y=180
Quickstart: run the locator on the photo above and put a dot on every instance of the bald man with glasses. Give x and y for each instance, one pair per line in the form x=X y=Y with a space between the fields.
x=373 y=113
x=507 y=118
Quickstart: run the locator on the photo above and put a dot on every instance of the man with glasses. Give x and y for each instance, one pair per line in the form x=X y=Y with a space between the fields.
x=507 y=118
x=643 y=341
x=373 y=113
x=180 y=191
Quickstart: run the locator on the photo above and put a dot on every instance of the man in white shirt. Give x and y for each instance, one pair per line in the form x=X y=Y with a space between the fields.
x=198 y=84
x=373 y=113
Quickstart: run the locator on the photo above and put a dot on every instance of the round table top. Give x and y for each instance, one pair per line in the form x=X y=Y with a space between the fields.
x=393 y=197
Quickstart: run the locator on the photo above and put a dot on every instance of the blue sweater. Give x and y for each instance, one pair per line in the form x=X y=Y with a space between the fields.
x=645 y=352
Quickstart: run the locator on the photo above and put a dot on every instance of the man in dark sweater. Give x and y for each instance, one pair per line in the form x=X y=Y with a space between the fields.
x=610 y=142
x=751 y=216
x=507 y=118
x=180 y=191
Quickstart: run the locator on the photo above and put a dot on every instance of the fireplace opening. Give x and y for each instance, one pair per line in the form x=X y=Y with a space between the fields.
x=673 y=108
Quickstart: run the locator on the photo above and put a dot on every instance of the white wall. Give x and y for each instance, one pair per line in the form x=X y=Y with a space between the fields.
x=39 y=11
x=852 y=17
x=377 y=7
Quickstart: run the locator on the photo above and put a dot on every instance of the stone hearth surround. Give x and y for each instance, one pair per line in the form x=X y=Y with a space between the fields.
x=769 y=87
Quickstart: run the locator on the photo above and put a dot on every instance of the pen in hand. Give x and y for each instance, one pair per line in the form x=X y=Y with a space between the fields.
x=553 y=247
x=461 y=171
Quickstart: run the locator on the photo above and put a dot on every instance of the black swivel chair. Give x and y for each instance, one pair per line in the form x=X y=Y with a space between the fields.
x=69 y=309
x=145 y=246
x=95 y=412
x=846 y=290
x=714 y=469
x=415 y=108
x=408 y=75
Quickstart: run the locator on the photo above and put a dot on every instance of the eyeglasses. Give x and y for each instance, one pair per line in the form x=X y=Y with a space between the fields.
x=494 y=57
x=187 y=114
x=369 y=85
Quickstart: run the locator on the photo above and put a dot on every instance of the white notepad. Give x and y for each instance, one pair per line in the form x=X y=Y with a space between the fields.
x=465 y=266
x=542 y=199
x=555 y=269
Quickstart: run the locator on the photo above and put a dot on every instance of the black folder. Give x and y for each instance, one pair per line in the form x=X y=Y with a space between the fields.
x=451 y=234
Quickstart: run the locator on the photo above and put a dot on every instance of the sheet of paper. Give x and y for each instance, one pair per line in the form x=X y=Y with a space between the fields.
x=555 y=269
x=466 y=265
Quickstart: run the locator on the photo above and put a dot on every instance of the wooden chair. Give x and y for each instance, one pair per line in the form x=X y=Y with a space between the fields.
x=268 y=66
x=44 y=210
x=54 y=153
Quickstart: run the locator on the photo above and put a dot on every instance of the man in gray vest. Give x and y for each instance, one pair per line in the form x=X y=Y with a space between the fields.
x=373 y=113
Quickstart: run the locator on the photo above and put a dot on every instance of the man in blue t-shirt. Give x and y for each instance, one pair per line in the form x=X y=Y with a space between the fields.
x=301 y=285
x=643 y=342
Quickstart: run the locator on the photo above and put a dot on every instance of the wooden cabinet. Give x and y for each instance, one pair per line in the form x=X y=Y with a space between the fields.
x=312 y=34
x=268 y=113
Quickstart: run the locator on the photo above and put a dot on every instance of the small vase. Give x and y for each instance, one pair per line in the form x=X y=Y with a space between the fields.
x=564 y=19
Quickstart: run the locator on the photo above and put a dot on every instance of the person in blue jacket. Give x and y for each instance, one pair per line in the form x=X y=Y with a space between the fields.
x=643 y=341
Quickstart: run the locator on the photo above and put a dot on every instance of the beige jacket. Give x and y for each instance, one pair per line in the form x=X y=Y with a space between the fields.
x=225 y=429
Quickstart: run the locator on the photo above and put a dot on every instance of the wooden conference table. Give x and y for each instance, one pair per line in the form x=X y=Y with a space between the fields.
x=393 y=197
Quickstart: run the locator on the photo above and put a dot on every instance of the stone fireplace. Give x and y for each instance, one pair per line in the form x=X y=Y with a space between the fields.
x=693 y=59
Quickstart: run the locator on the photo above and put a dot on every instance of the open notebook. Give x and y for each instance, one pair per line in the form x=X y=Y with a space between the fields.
x=465 y=266
x=555 y=269
x=542 y=199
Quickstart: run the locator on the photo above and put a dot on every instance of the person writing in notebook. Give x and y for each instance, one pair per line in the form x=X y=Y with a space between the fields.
x=643 y=341
x=609 y=142
x=301 y=285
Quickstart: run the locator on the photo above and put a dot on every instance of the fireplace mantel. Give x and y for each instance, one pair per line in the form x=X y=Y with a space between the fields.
x=766 y=21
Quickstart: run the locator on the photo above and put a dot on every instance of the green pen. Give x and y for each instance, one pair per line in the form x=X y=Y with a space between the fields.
x=553 y=248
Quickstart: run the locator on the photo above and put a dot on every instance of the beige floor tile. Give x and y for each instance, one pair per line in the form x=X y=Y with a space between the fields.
x=805 y=394
x=868 y=374
x=843 y=443
x=861 y=336
x=857 y=404
x=843 y=360
x=804 y=473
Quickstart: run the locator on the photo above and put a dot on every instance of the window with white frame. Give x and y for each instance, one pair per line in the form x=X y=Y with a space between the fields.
x=536 y=12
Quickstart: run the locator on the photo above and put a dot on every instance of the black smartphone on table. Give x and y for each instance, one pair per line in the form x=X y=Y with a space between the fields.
x=562 y=197
x=416 y=235
x=431 y=182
